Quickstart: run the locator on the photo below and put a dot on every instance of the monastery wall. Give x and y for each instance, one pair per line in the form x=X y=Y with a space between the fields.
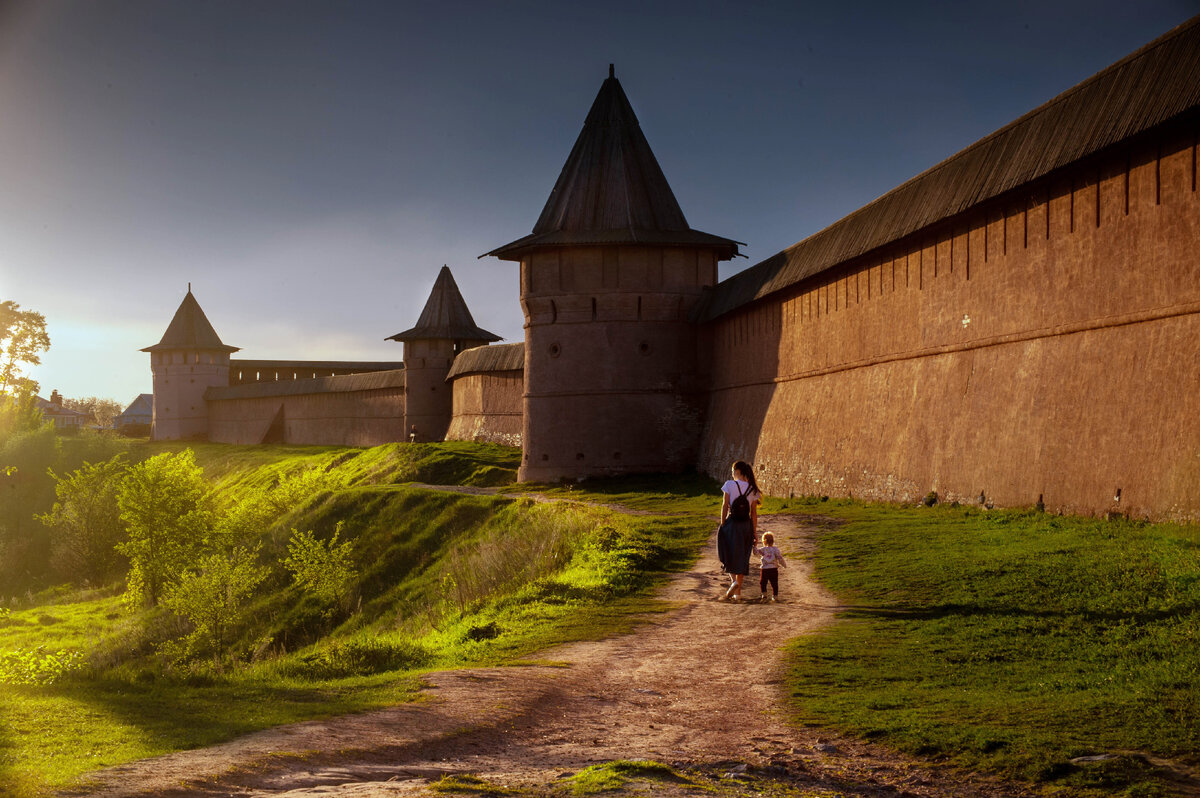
x=487 y=408
x=1040 y=345
x=358 y=410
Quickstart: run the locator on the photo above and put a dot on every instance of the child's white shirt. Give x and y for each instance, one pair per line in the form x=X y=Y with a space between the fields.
x=772 y=557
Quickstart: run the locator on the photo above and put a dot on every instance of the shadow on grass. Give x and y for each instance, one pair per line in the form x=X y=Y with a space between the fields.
x=165 y=716
x=687 y=485
x=942 y=611
x=8 y=758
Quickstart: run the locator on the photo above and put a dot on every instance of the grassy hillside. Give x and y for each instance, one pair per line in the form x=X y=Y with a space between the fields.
x=443 y=580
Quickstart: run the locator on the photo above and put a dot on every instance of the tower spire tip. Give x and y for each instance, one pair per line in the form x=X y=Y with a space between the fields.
x=611 y=71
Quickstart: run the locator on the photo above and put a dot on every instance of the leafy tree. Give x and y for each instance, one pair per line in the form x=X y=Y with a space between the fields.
x=86 y=521
x=25 y=490
x=324 y=570
x=213 y=597
x=19 y=412
x=22 y=338
x=166 y=505
x=101 y=412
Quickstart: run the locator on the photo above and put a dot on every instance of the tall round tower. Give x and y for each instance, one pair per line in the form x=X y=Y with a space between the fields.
x=608 y=279
x=188 y=360
x=444 y=329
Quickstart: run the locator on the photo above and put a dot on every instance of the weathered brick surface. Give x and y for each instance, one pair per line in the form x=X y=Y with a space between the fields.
x=610 y=360
x=334 y=418
x=487 y=408
x=1044 y=346
x=180 y=379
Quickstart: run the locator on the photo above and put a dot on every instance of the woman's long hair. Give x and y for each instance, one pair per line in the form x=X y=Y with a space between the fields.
x=748 y=473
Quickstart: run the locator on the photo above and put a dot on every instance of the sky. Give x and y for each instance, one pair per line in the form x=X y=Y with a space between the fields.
x=309 y=166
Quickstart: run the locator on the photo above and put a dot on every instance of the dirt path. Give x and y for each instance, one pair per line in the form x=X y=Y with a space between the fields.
x=699 y=687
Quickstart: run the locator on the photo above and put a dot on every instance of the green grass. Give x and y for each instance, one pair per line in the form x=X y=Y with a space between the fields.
x=445 y=580
x=1009 y=641
x=467 y=784
x=53 y=735
x=618 y=774
x=450 y=463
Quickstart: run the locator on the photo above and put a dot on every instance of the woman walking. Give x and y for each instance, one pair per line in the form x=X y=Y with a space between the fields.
x=739 y=526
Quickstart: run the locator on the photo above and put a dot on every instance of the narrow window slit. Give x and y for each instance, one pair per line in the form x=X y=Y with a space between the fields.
x=1072 y=205
x=1128 y=166
x=1047 y=213
x=1158 y=176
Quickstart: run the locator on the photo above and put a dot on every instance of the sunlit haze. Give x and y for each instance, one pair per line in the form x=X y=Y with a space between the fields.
x=309 y=166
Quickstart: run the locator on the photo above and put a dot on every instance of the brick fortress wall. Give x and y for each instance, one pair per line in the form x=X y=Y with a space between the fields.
x=346 y=410
x=487 y=408
x=1044 y=344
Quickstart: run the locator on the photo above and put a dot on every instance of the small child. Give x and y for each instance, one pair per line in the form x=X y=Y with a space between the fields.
x=772 y=558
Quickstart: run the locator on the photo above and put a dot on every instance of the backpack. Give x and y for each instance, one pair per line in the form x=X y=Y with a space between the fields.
x=739 y=508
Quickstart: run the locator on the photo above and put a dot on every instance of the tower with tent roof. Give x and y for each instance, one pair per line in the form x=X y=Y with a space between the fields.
x=188 y=360
x=444 y=328
x=609 y=276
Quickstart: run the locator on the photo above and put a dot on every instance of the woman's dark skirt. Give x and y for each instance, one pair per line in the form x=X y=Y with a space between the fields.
x=735 y=542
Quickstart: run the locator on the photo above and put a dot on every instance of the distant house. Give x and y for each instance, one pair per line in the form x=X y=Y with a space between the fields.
x=63 y=417
x=140 y=411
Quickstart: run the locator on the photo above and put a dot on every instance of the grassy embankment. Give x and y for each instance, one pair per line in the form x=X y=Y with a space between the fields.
x=1011 y=641
x=1007 y=641
x=445 y=580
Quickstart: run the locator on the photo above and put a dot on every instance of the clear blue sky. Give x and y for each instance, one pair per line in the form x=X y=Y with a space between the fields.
x=309 y=166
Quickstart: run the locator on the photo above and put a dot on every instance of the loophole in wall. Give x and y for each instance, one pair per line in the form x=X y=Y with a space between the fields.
x=555 y=350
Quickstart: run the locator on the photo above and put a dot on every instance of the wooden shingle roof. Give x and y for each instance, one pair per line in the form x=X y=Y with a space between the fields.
x=1155 y=84
x=445 y=315
x=373 y=381
x=190 y=329
x=485 y=359
x=612 y=191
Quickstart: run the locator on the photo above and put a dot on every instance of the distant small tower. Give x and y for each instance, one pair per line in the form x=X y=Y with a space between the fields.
x=608 y=279
x=444 y=329
x=188 y=360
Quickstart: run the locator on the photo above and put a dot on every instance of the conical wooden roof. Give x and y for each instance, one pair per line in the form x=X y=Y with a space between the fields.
x=190 y=329
x=445 y=315
x=612 y=190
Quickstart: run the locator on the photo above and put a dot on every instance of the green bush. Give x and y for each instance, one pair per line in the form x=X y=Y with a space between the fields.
x=167 y=507
x=479 y=632
x=323 y=570
x=356 y=657
x=86 y=522
x=38 y=666
x=212 y=597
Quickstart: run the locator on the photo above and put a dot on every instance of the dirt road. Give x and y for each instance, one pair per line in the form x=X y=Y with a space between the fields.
x=699 y=687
